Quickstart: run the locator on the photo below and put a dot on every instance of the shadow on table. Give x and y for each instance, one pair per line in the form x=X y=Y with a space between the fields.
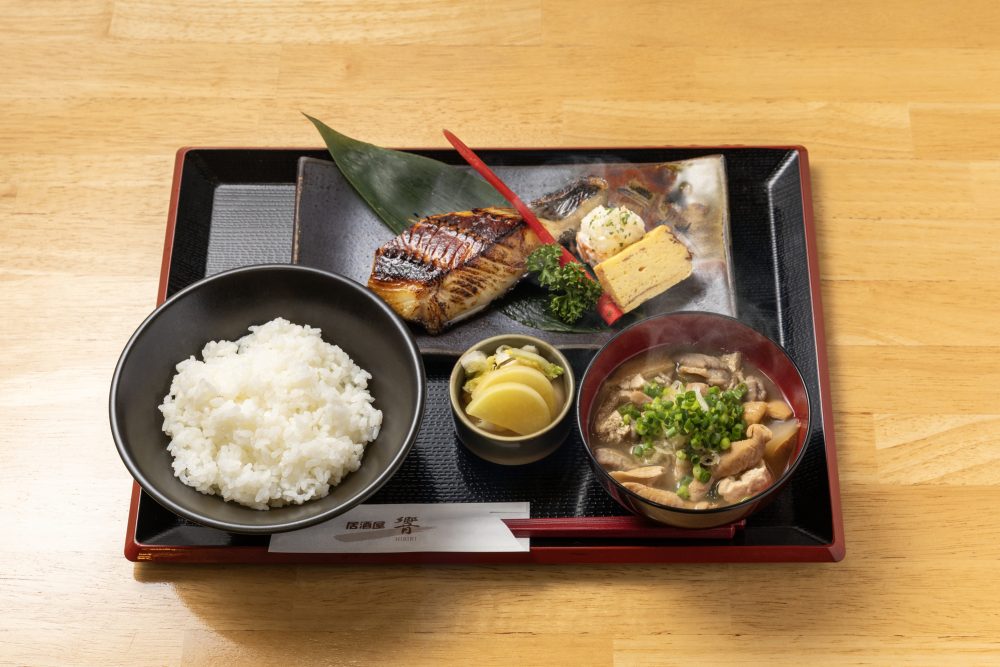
x=381 y=614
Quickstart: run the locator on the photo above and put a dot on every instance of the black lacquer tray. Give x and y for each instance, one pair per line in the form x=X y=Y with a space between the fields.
x=234 y=207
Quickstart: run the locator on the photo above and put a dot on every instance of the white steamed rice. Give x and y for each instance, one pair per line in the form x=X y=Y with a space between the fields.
x=274 y=418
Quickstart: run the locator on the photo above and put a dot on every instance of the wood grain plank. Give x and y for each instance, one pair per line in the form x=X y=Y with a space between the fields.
x=905 y=190
x=74 y=126
x=332 y=647
x=8 y=194
x=907 y=250
x=912 y=313
x=855 y=433
x=936 y=448
x=850 y=130
x=876 y=74
x=131 y=647
x=898 y=103
x=856 y=602
x=414 y=600
x=56 y=19
x=889 y=379
x=650 y=73
x=47 y=296
x=480 y=121
x=116 y=69
x=985 y=186
x=488 y=72
x=719 y=649
x=341 y=21
x=778 y=23
x=148 y=168
x=925 y=525
x=956 y=132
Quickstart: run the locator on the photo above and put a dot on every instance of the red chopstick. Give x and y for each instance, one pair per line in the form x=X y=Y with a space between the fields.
x=606 y=306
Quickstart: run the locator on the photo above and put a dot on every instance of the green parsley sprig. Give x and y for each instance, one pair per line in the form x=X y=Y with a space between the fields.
x=571 y=291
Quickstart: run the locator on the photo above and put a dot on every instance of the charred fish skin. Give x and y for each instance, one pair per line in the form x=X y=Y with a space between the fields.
x=562 y=211
x=446 y=267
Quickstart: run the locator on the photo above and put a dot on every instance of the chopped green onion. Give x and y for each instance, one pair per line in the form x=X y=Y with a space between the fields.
x=704 y=432
x=701 y=474
x=652 y=389
x=629 y=410
x=683 y=493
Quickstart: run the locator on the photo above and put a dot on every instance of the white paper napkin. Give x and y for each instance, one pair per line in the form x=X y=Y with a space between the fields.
x=462 y=527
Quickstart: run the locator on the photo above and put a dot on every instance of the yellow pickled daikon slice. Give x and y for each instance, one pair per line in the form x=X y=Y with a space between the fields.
x=513 y=406
x=521 y=375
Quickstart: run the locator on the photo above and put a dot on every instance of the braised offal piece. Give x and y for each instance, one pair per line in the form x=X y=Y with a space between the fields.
x=688 y=429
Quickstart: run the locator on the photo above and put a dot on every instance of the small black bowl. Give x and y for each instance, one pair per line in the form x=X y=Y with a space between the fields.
x=223 y=307
x=512 y=449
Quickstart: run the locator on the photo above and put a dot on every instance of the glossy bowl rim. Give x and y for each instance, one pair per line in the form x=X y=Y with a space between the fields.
x=380 y=480
x=774 y=487
x=568 y=404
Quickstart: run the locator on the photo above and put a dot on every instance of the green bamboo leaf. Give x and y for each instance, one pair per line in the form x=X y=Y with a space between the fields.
x=402 y=187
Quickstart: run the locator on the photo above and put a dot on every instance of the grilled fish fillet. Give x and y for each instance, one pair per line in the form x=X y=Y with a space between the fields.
x=446 y=267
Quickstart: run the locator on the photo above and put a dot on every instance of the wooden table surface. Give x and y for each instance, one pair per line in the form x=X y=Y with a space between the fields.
x=899 y=105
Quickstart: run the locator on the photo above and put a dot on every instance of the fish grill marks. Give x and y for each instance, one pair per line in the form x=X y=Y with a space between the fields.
x=431 y=248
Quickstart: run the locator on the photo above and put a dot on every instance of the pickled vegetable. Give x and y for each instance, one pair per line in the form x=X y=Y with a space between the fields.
x=526 y=357
x=525 y=375
x=513 y=406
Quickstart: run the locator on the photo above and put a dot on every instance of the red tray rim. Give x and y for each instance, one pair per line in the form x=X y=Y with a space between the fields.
x=832 y=551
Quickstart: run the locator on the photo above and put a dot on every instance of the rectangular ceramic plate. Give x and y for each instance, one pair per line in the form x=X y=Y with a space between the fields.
x=336 y=230
x=233 y=207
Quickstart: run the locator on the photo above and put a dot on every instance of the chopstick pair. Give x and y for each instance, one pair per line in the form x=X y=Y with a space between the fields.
x=606 y=307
